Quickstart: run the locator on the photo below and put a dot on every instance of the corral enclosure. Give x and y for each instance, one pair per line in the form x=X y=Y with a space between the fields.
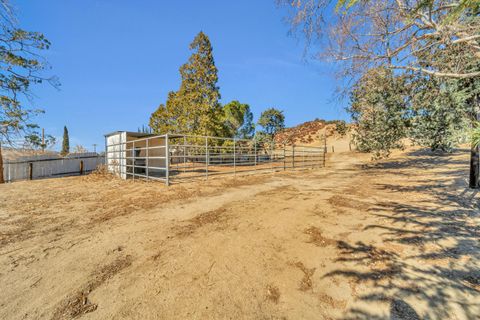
x=175 y=157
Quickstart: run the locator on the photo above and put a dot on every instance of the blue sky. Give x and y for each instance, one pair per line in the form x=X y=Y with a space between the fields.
x=118 y=59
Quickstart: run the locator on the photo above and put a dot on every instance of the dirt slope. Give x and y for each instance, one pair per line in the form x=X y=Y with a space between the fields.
x=395 y=240
x=313 y=133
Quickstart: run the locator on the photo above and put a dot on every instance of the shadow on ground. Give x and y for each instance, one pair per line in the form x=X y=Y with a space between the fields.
x=439 y=277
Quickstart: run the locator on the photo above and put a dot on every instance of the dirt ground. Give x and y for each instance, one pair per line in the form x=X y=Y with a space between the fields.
x=398 y=239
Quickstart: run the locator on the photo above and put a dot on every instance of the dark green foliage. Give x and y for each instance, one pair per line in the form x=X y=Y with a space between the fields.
x=443 y=108
x=20 y=67
x=475 y=135
x=238 y=120
x=195 y=107
x=145 y=129
x=66 y=142
x=432 y=112
x=271 y=120
x=341 y=128
x=340 y=125
x=35 y=141
x=379 y=111
x=441 y=112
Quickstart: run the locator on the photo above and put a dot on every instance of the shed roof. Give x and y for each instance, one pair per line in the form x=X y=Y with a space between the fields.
x=129 y=133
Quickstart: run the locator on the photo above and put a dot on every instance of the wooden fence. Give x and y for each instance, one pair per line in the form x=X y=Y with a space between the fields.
x=47 y=166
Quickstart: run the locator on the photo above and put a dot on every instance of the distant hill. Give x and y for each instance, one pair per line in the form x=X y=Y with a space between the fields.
x=14 y=154
x=312 y=132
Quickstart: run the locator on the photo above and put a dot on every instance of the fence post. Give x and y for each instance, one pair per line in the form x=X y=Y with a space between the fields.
x=106 y=153
x=234 y=157
x=206 y=157
x=255 y=150
x=303 y=157
x=324 y=155
x=126 y=160
x=30 y=171
x=271 y=155
x=293 y=156
x=146 y=158
x=184 y=154
x=325 y=141
x=167 y=161
x=81 y=167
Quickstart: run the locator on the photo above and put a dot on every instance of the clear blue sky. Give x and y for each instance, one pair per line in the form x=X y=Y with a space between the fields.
x=118 y=59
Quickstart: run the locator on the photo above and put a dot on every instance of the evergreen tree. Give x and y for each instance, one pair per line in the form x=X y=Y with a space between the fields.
x=35 y=141
x=65 y=143
x=247 y=130
x=21 y=68
x=195 y=107
x=167 y=118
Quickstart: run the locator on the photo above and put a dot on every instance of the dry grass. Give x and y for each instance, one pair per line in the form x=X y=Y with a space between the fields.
x=306 y=283
x=273 y=293
x=78 y=303
x=318 y=239
x=345 y=202
x=217 y=217
x=99 y=174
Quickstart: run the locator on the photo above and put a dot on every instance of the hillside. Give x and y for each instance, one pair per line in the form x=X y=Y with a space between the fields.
x=14 y=154
x=313 y=133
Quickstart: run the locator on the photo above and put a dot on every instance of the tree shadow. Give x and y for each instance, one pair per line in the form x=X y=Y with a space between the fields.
x=422 y=158
x=439 y=275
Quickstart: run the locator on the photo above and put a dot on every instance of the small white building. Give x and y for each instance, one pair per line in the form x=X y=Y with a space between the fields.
x=135 y=154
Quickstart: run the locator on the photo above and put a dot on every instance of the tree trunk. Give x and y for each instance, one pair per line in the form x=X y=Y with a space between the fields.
x=474 y=163
x=474 y=167
x=2 y=180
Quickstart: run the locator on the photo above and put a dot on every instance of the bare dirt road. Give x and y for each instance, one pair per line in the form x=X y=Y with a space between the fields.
x=393 y=240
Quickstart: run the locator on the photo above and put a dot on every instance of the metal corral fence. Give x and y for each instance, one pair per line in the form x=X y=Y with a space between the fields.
x=45 y=166
x=173 y=157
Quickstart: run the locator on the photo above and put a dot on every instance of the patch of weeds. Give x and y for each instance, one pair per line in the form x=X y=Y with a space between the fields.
x=78 y=303
x=273 y=293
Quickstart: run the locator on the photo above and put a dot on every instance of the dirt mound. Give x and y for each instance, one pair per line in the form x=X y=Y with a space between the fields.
x=310 y=131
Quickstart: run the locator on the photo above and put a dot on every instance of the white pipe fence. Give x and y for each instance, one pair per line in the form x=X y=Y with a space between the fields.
x=174 y=157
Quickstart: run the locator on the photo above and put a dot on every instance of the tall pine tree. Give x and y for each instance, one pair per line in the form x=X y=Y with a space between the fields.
x=66 y=142
x=194 y=108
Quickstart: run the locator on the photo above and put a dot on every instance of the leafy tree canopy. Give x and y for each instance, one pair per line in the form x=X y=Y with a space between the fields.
x=378 y=110
x=238 y=120
x=272 y=120
x=432 y=112
x=398 y=34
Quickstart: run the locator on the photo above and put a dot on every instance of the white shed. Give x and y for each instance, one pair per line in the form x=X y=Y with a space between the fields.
x=135 y=154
